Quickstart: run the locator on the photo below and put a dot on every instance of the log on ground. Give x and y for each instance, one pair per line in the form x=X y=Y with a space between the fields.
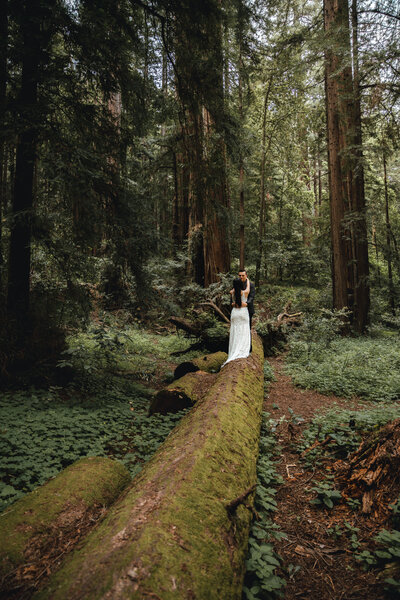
x=182 y=393
x=33 y=526
x=211 y=363
x=171 y=536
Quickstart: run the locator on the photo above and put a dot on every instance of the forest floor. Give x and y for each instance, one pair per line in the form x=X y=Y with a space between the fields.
x=320 y=544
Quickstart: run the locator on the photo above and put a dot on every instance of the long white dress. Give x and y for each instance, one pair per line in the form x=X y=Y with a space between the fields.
x=239 y=336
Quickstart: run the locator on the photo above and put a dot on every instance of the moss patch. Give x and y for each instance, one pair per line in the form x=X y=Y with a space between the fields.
x=170 y=535
x=63 y=500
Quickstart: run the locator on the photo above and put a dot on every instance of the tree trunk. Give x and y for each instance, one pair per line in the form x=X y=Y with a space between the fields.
x=346 y=182
x=3 y=97
x=388 y=241
x=241 y=117
x=171 y=536
x=48 y=522
x=201 y=95
x=362 y=290
x=20 y=239
x=261 y=223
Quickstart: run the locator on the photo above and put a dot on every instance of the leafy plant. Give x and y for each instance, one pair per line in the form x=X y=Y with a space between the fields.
x=344 y=428
x=326 y=494
x=361 y=366
x=261 y=580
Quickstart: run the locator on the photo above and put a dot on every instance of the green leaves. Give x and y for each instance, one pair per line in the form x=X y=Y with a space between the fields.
x=261 y=580
x=326 y=494
x=363 y=366
x=42 y=434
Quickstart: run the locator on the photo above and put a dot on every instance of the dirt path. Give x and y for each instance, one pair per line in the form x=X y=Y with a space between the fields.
x=323 y=565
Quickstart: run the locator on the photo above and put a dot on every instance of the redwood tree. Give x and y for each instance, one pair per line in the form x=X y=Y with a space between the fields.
x=201 y=175
x=350 y=271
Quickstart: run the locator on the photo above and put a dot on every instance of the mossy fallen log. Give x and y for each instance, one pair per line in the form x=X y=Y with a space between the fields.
x=182 y=393
x=173 y=535
x=211 y=363
x=28 y=527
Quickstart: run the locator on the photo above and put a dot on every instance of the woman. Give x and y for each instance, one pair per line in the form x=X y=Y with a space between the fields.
x=239 y=336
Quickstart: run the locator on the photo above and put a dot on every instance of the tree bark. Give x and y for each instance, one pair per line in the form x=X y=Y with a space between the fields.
x=3 y=97
x=171 y=536
x=261 y=223
x=388 y=240
x=73 y=500
x=372 y=472
x=350 y=271
x=201 y=95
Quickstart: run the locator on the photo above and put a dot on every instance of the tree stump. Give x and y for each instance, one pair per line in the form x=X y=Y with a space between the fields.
x=171 y=536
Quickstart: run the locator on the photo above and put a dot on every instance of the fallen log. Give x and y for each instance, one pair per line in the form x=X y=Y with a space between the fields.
x=182 y=393
x=47 y=522
x=210 y=363
x=171 y=537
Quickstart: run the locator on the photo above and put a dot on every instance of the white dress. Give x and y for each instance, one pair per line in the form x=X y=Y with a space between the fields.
x=239 y=335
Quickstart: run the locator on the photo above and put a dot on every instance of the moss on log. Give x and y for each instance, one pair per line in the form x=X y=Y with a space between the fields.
x=35 y=520
x=171 y=535
x=211 y=363
x=182 y=393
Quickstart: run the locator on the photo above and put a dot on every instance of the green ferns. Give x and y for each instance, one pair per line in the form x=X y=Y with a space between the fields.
x=363 y=366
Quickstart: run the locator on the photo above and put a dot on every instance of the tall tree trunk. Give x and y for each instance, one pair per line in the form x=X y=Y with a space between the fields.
x=261 y=222
x=20 y=240
x=388 y=240
x=3 y=95
x=241 y=117
x=362 y=290
x=348 y=228
x=203 y=156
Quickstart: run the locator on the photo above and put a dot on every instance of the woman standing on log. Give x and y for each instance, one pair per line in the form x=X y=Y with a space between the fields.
x=239 y=335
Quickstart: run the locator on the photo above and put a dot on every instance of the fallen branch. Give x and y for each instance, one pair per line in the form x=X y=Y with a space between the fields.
x=216 y=309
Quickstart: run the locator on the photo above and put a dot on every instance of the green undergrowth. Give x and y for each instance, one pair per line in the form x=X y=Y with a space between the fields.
x=261 y=579
x=301 y=298
x=107 y=347
x=102 y=411
x=363 y=366
x=41 y=434
x=345 y=428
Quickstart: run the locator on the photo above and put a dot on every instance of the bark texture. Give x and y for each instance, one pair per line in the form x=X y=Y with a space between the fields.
x=171 y=535
x=350 y=268
x=372 y=473
x=29 y=525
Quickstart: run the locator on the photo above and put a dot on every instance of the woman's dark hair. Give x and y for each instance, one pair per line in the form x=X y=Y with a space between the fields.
x=237 y=286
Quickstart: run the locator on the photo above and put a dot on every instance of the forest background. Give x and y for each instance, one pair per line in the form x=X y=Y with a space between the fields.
x=149 y=150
